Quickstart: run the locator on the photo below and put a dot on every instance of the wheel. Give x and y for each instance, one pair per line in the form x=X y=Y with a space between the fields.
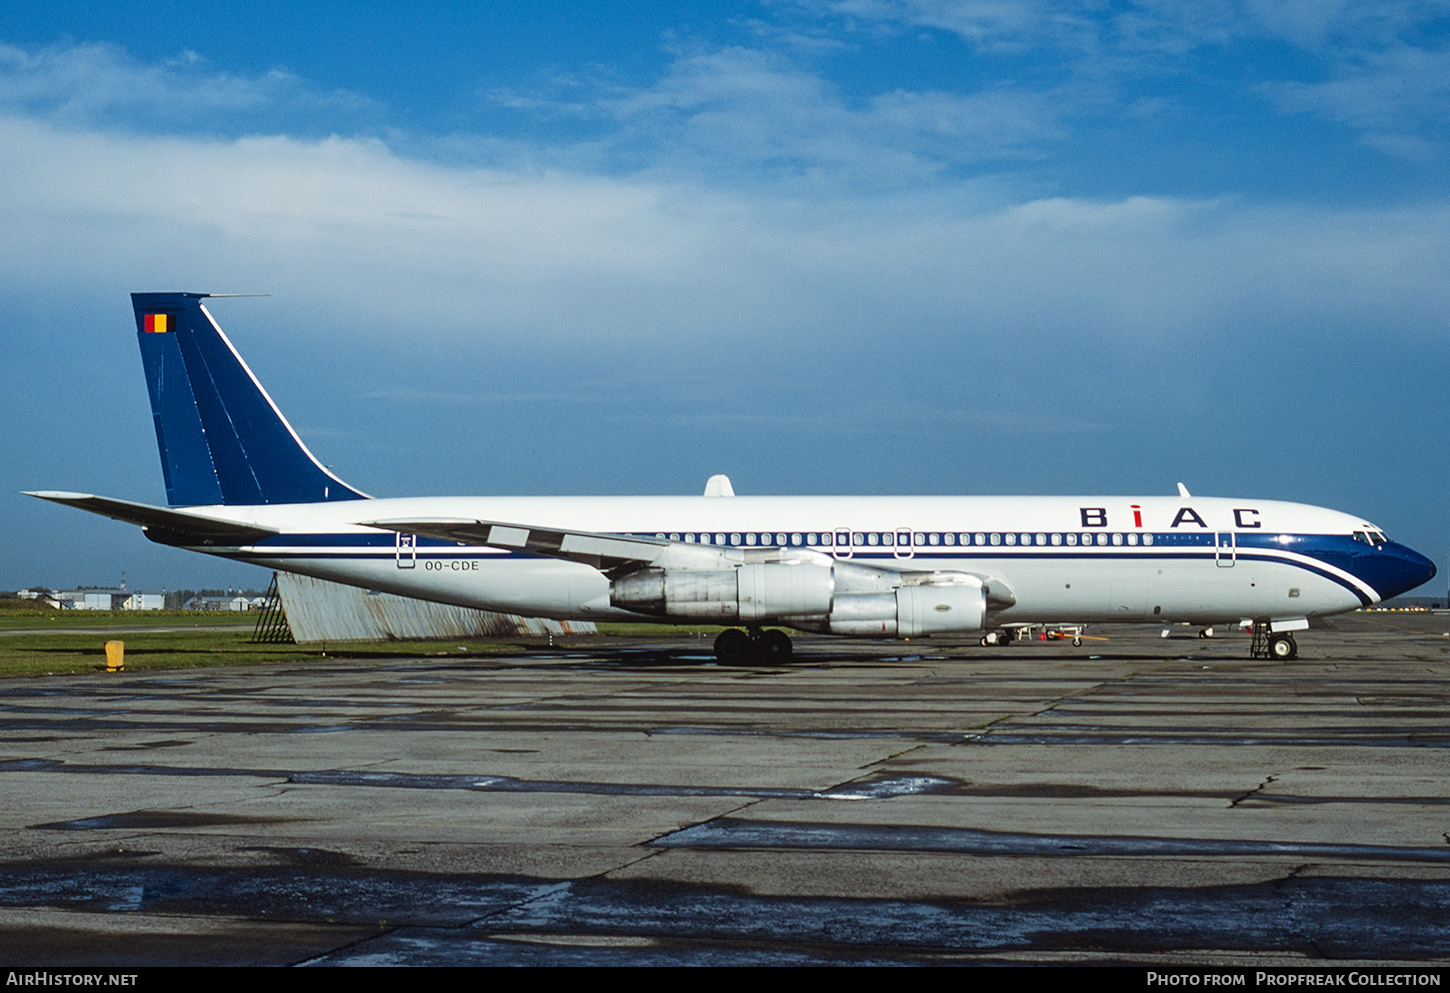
x=1076 y=642
x=1282 y=647
x=1205 y=632
x=732 y=645
x=991 y=638
x=773 y=646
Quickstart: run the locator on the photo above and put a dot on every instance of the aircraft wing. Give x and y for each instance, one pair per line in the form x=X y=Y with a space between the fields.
x=619 y=552
x=162 y=524
x=602 y=551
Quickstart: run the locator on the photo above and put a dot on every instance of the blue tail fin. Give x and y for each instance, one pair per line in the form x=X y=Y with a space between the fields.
x=222 y=439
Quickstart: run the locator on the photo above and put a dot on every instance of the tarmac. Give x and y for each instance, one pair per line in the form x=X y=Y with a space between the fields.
x=1134 y=801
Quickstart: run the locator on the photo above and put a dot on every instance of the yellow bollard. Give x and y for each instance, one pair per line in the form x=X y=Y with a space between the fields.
x=115 y=656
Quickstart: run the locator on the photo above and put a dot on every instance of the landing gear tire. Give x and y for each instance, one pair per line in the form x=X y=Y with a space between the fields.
x=1205 y=632
x=1283 y=647
x=732 y=646
x=735 y=647
x=991 y=638
x=773 y=646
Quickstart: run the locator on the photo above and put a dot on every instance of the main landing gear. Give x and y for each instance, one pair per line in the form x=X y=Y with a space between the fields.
x=735 y=647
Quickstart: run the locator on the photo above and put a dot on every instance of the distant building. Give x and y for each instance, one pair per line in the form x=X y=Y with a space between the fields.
x=225 y=603
x=145 y=601
x=103 y=599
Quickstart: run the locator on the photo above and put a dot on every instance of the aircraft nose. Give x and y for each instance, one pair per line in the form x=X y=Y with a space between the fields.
x=1408 y=569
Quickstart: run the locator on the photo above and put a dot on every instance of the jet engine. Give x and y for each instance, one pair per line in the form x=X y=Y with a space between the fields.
x=814 y=594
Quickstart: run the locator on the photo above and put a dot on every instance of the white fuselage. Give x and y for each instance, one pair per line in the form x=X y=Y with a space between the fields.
x=1064 y=559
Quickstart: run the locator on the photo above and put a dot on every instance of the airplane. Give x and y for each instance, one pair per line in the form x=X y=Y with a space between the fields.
x=240 y=484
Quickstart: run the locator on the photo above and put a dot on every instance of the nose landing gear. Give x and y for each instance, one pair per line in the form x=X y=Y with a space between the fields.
x=1279 y=646
x=1283 y=647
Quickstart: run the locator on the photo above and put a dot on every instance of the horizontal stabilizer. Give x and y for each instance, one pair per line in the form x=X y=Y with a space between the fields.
x=169 y=527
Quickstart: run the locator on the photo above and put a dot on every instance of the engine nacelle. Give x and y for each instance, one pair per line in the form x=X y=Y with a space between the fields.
x=752 y=593
x=955 y=607
x=941 y=608
x=832 y=598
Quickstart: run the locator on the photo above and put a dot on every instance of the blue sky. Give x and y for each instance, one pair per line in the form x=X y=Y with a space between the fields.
x=826 y=247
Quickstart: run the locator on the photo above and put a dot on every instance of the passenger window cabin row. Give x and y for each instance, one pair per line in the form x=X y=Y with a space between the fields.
x=908 y=539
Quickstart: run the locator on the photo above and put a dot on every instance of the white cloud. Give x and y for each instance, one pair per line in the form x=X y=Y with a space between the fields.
x=1381 y=67
x=383 y=242
x=1399 y=91
x=746 y=112
x=986 y=126
x=1305 y=23
x=984 y=24
x=1169 y=26
x=101 y=84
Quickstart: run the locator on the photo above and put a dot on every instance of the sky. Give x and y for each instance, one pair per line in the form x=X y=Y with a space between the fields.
x=861 y=246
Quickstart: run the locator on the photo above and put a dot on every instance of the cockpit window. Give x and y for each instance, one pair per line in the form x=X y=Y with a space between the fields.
x=1370 y=537
x=1361 y=536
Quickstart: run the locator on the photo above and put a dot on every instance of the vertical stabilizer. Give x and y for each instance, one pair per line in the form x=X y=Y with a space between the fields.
x=222 y=439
